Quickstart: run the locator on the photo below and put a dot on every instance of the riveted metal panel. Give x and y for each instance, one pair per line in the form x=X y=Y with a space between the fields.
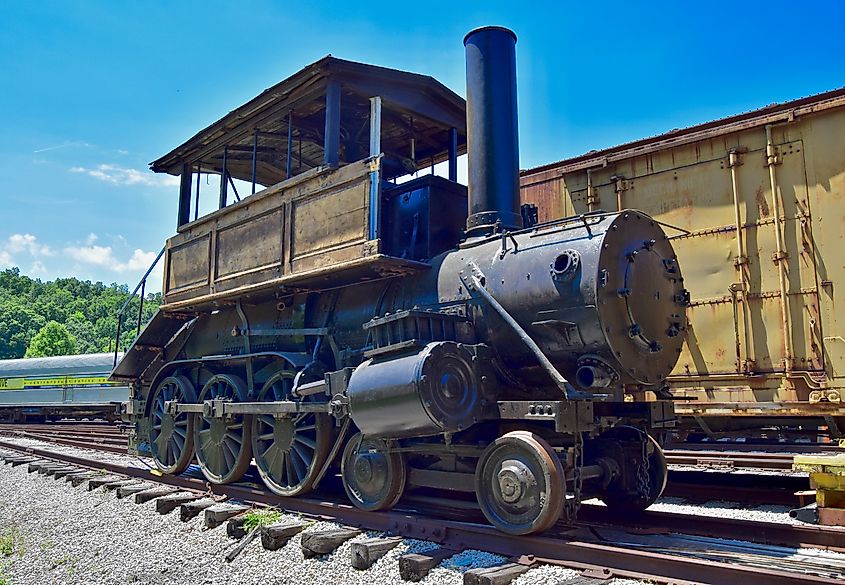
x=187 y=264
x=311 y=231
x=739 y=347
x=252 y=244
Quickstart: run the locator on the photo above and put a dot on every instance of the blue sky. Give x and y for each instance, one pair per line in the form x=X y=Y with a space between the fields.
x=90 y=92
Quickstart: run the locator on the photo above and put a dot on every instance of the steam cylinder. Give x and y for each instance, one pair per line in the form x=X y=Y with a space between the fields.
x=492 y=141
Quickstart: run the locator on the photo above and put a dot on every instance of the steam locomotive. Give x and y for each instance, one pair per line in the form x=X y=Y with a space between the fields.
x=416 y=334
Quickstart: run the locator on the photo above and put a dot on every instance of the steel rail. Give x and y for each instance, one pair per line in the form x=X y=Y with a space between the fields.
x=779 y=461
x=601 y=558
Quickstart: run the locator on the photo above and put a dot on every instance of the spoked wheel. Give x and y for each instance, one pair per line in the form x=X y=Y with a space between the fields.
x=373 y=477
x=648 y=481
x=520 y=484
x=172 y=438
x=289 y=451
x=223 y=446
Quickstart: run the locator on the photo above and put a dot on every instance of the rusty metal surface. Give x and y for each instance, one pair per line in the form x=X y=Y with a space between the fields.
x=313 y=225
x=758 y=200
x=603 y=558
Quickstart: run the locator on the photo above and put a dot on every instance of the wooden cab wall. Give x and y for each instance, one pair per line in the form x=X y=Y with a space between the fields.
x=311 y=231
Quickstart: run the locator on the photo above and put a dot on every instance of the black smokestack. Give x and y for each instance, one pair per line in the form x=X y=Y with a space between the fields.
x=492 y=141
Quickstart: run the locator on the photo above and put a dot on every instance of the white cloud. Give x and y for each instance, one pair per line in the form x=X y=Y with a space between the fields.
x=117 y=175
x=18 y=244
x=92 y=237
x=27 y=243
x=6 y=260
x=38 y=268
x=104 y=256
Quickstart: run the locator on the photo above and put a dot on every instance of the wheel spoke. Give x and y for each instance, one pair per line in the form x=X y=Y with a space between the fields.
x=311 y=443
x=282 y=467
x=232 y=445
x=300 y=463
x=228 y=457
x=289 y=466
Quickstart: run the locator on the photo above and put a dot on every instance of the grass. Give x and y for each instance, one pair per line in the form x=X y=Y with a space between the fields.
x=9 y=541
x=261 y=517
x=59 y=562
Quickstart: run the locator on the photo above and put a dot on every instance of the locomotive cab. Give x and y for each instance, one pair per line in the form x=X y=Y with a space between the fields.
x=331 y=144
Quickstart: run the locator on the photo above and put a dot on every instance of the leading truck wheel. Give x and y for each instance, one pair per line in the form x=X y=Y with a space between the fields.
x=373 y=476
x=645 y=482
x=223 y=445
x=289 y=451
x=172 y=437
x=519 y=483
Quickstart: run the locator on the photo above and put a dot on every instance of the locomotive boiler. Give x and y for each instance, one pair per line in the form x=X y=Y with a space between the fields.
x=406 y=334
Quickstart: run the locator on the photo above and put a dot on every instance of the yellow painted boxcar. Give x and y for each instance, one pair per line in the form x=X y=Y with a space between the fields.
x=758 y=206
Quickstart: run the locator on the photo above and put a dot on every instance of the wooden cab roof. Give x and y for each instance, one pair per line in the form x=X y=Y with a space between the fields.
x=414 y=107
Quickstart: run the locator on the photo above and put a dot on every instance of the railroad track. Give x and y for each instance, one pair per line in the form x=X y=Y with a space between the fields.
x=719 y=483
x=104 y=436
x=657 y=546
x=729 y=459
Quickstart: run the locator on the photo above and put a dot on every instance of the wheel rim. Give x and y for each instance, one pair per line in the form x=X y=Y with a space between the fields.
x=289 y=452
x=171 y=438
x=519 y=483
x=373 y=477
x=223 y=445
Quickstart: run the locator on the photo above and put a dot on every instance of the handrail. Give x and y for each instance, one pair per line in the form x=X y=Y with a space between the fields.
x=142 y=285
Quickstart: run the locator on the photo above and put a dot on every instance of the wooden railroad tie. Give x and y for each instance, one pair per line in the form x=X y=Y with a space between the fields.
x=235 y=527
x=77 y=479
x=62 y=473
x=275 y=536
x=154 y=493
x=125 y=491
x=168 y=503
x=16 y=460
x=55 y=471
x=218 y=514
x=501 y=575
x=116 y=485
x=366 y=552
x=36 y=465
x=415 y=566
x=101 y=480
x=325 y=541
x=190 y=510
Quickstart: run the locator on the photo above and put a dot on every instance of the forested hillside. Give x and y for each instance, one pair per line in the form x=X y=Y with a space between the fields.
x=72 y=316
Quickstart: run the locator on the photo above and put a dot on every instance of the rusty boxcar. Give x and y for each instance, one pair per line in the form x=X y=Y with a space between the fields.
x=756 y=202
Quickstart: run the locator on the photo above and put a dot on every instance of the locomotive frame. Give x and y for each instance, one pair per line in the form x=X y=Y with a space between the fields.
x=510 y=359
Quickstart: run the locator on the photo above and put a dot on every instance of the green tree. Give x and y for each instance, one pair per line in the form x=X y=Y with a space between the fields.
x=88 y=310
x=18 y=324
x=52 y=339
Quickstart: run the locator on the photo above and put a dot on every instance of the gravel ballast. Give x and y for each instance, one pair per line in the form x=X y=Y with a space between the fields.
x=65 y=535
